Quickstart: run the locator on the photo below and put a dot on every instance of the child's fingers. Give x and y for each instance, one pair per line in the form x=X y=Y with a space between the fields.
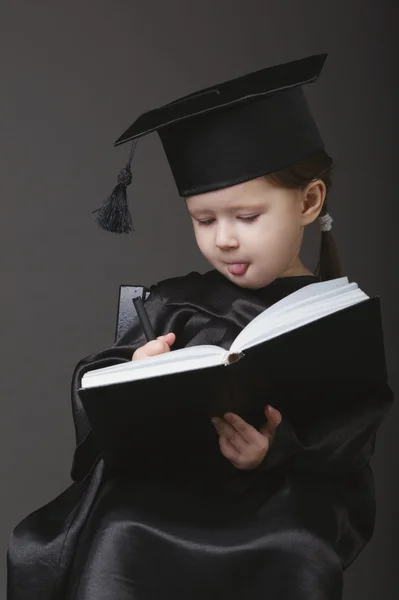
x=248 y=433
x=226 y=430
x=158 y=346
x=154 y=347
x=228 y=449
x=169 y=338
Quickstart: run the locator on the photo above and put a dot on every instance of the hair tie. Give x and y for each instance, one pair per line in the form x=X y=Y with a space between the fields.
x=325 y=222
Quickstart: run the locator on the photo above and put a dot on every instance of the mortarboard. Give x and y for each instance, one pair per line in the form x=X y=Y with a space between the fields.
x=226 y=134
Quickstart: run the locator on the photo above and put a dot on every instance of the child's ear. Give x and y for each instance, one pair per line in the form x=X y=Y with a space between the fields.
x=313 y=197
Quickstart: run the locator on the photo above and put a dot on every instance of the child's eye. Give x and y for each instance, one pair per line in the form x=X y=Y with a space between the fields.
x=207 y=222
x=249 y=219
x=246 y=219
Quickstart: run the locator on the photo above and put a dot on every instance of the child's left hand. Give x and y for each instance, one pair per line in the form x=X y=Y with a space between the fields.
x=243 y=445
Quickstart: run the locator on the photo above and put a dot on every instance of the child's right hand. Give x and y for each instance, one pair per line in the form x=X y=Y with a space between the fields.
x=159 y=346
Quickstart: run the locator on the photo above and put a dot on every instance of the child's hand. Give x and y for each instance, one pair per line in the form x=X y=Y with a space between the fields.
x=159 y=346
x=243 y=445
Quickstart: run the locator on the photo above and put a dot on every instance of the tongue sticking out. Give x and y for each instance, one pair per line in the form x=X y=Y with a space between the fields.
x=238 y=268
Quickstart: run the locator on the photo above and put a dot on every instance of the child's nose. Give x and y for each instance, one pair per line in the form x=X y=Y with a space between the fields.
x=226 y=237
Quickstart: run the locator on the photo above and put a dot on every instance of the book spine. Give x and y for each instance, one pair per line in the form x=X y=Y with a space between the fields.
x=232 y=357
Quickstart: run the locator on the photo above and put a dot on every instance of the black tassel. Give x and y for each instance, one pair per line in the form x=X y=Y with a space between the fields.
x=114 y=214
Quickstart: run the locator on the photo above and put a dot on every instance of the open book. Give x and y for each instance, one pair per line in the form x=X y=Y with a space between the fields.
x=303 y=306
x=307 y=354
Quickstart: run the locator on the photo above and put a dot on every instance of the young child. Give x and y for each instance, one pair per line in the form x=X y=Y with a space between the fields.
x=281 y=513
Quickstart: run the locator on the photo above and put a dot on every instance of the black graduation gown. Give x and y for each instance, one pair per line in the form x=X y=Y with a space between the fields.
x=287 y=529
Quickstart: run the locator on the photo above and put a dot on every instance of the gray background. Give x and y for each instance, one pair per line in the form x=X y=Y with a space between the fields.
x=74 y=75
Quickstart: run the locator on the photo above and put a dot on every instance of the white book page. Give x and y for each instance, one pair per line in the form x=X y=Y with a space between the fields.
x=184 y=359
x=300 y=301
x=282 y=307
x=310 y=293
x=323 y=310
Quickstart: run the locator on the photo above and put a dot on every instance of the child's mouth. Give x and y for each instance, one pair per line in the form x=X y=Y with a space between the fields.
x=238 y=268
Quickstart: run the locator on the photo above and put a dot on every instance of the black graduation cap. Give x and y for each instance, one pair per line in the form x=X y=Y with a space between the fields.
x=226 y=134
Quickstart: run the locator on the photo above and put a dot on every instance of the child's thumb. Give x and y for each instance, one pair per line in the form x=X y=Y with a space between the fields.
x=158 y=346
x=274 y=418
x=169 y=338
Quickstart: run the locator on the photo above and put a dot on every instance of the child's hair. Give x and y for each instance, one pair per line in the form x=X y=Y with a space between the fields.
x=318 y=166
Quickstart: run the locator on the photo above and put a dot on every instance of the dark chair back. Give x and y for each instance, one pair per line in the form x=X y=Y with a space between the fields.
x=126 y=309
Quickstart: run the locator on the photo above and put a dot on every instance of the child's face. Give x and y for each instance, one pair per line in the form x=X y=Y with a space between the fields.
x=257 y=223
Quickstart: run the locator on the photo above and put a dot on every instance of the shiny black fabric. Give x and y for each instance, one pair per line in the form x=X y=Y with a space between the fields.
x=287 y=529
